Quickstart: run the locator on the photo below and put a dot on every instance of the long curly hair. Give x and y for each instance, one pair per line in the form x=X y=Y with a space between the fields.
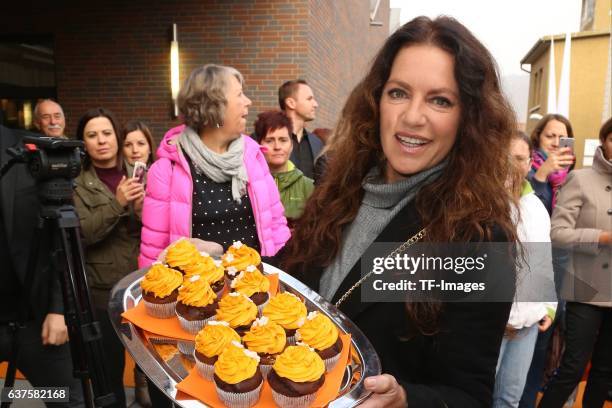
x=470 y=196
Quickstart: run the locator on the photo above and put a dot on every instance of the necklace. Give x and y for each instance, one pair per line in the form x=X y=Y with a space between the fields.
x=411 y=241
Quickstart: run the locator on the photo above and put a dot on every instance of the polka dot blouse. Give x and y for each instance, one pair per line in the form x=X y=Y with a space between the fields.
x=217 y=217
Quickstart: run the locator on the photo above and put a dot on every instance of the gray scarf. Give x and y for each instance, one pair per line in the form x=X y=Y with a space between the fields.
x=381 y=202
x=221 y=168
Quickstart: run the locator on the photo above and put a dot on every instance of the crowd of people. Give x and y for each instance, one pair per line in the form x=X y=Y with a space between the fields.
x=426 y=149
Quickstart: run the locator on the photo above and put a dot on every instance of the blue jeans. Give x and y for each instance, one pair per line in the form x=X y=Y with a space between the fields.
x=513 y=365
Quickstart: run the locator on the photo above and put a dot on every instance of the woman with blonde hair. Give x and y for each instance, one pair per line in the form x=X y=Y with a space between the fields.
x=210 y=180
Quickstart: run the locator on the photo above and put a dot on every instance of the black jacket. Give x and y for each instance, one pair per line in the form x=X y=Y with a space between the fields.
x=20 y=207
x=454 y=367
x=316 y=145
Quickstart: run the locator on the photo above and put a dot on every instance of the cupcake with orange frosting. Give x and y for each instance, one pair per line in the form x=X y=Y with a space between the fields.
x=210 y=270
x=252 y=283
x=160 y=290
x=268 y=340
x=238 y=310
x=287 y=310
x=181 y=254
x=197 y=303
x=237 y=376
x=210 y=343
x=238 y=257
x=296 y=377
x=321 y=334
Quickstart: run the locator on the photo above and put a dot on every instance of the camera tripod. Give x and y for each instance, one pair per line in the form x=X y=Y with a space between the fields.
x=59 y=227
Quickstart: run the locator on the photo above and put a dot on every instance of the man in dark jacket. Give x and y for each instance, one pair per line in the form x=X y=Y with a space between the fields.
x=297 y=100
x=44 y=356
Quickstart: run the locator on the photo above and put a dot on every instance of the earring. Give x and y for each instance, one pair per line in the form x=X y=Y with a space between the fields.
x=218 y=126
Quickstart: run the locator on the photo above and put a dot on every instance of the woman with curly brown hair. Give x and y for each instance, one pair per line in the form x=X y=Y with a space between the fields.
x=421 y=151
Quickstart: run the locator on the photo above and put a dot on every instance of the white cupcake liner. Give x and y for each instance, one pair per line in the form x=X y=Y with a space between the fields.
x=186 y=347
x=160 y=310
x=206 y=370
x=293 y=402
x=261 y=307
x=331 y=362
x=265 y=370
x=291 y=340
x=193 y=326
x=240 y=400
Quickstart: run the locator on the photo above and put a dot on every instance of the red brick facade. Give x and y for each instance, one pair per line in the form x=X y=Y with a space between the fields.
x=116 y=54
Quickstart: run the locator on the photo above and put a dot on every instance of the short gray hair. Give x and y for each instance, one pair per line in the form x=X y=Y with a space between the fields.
x=202 y=100
x=37 y=107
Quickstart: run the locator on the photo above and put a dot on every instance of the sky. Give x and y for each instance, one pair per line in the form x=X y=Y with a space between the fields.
x=507 y=28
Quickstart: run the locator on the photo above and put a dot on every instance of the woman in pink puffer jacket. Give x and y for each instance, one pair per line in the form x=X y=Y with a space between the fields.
x=210 y=181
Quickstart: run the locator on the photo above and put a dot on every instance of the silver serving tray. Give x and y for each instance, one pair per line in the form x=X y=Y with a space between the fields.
x=166 y=366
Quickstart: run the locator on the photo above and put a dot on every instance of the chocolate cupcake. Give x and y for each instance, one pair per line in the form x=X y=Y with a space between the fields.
x=238 y=257
x=252 y=283
x=287 y=310
x=160 y=290
x=197 y=303
x=238 y=310
x=268 y=340
x=296 y=376
x=320 y=333
x=181 y=254
x=209 y=270
x=210 y=343
x=237 y=376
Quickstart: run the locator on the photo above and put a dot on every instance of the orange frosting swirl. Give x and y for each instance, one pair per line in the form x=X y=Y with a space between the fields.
x=299 y=364
x=182 y=253
x=236 y=364
x=237 y=310
x=196 y=292
x=161 y=281
x=265 y=337
x=214 y=338
x=318 y=331
x=205 y=266
x=252 y=282
x=287 y=310
x=240 y=256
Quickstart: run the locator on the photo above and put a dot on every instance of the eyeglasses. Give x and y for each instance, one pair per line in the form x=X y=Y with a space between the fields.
x=522 y=160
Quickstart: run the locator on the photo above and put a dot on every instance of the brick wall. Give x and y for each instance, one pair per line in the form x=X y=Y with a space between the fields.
x=116 y=54
x=341 y=45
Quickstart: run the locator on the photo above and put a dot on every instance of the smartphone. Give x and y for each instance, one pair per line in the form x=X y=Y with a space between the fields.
x=140 y=169
x=566 y=142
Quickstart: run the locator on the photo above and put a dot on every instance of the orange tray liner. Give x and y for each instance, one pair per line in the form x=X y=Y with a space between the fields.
x=171 y=327
x=205 y=391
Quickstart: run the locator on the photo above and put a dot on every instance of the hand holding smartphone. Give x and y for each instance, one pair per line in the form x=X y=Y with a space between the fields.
x=566 y=142
x=140 y=169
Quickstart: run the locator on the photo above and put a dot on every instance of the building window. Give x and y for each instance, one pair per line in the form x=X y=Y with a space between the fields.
x=27 y=74
x=536 y=90
x=588 y=15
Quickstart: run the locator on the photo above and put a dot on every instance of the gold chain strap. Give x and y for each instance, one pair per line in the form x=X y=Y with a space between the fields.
x=411 y=241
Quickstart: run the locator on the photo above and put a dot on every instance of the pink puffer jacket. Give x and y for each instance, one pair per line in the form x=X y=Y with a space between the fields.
x=166 y=214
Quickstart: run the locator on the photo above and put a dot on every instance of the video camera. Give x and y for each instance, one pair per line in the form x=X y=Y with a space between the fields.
x=53 y=162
